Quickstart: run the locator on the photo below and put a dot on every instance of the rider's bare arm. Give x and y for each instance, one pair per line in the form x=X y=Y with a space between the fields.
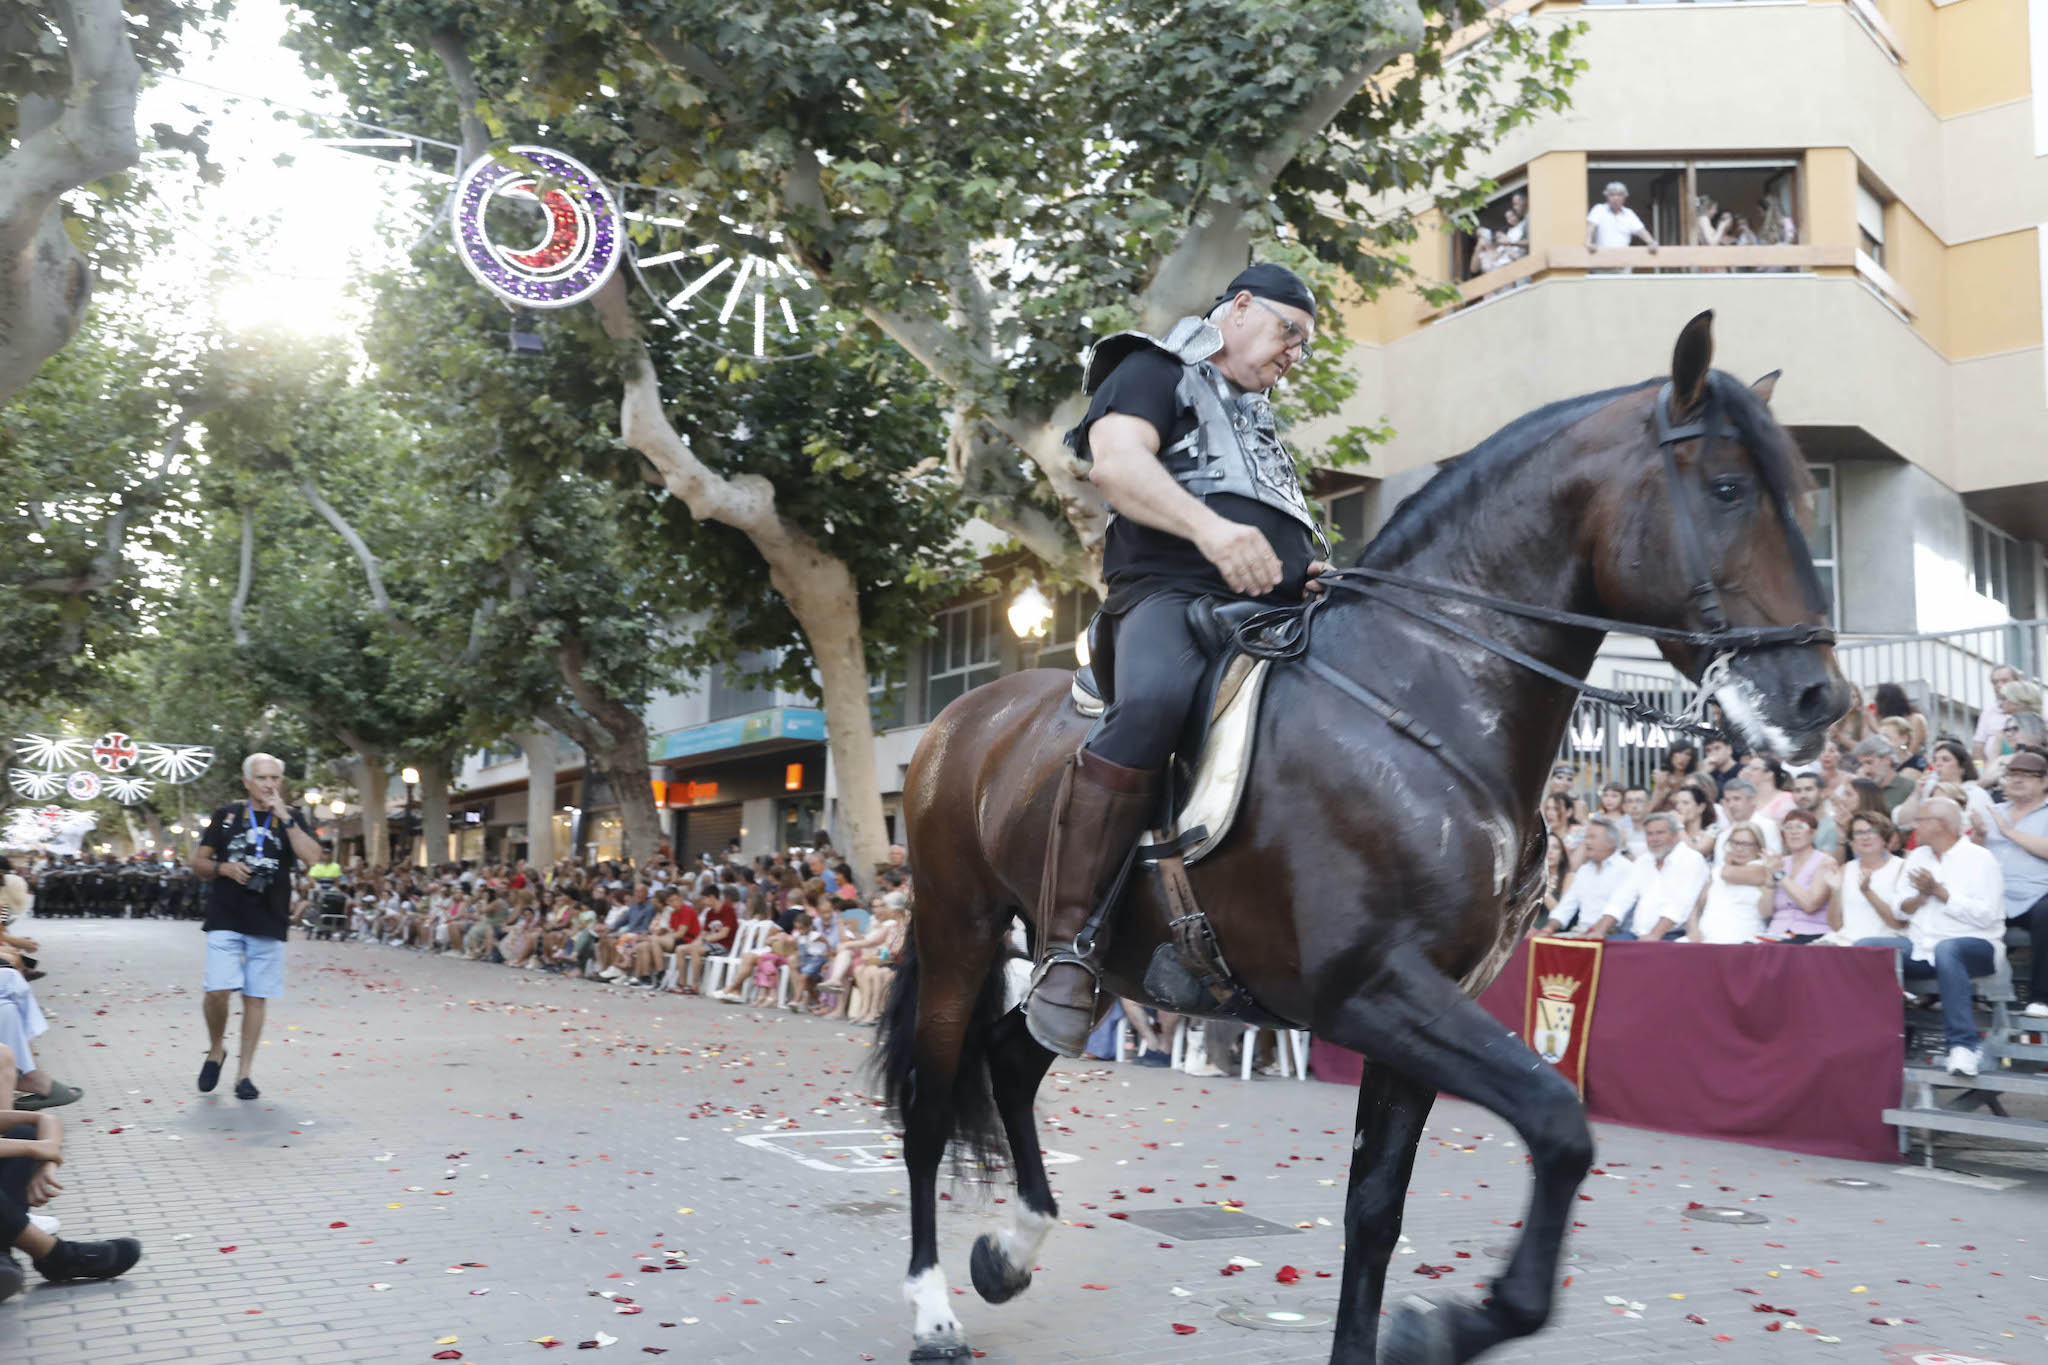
x=1128 y=471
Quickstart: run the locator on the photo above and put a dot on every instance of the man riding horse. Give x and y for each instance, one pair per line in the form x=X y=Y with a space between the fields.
x=1181 y=437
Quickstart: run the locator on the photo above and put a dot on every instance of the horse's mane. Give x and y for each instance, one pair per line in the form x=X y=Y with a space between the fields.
x=1452 y=491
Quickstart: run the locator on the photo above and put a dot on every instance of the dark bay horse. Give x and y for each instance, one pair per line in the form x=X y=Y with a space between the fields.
x=1367 y=888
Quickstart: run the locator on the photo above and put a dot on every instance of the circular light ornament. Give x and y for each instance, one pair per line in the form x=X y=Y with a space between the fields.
x=576 y=253
x=83 y=785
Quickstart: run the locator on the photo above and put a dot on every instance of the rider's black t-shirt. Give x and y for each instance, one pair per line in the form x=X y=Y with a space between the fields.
x=262 y=847
x=1138 y=560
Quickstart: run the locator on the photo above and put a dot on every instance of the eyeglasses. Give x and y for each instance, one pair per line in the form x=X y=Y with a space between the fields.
x=1297 y=336
x=1744 y=843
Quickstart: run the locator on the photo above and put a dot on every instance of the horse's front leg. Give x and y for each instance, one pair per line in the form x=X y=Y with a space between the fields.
x=1391 y=1111
x=1408 y=1016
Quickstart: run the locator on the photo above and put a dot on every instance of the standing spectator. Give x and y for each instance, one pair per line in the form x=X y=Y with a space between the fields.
x=248 y=854
x=1807 y=795
x=1602 y=873
x=1803 y=883
x=1694 y=807
x=1892 y=704
x=1680 y=765
x=1878 y=762
x=1992 y=718
x=1872 y=884
x=1712 y=225
x=1729 y=908
x=1955 y=922
x=1612 y=223
x=1662 y=888
x=2018 y=839
x=1738 y=798
x=1720 y=767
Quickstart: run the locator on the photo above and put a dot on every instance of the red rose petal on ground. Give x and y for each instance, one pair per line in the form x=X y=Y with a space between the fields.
x=1286 y=1274
x=1183 y=1329
x=224 y=1250
x=447 y=1355
x=1095 y=1286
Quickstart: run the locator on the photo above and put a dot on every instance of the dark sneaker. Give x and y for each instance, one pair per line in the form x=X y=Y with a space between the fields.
x=245 y=1089
x=89 y=1260
x=1153 y=1058
x=209 y=1073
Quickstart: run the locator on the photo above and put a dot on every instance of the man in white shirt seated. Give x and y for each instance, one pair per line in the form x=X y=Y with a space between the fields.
x=1596 y=880
x=1738 y=799
x=1956 y=922
x=1661 y=890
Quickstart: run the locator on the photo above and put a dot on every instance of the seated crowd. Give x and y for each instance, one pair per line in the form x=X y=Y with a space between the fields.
x=1927 y=844
x=789 y=929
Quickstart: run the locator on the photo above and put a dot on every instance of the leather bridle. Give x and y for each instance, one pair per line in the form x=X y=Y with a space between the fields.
x=1283 y=632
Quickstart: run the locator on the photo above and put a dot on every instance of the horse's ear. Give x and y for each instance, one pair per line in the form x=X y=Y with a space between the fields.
x=1690 y=361
x=1765 y=387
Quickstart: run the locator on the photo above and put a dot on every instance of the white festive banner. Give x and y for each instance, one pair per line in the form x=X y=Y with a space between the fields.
x=47 y=765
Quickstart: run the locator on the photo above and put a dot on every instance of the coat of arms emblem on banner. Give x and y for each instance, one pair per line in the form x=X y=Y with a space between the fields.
x=1554 y=1011
x=1557 y=1007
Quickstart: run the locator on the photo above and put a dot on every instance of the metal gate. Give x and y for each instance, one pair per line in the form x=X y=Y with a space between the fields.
x=707 y=829
x=1946 y=675
x=1610 y=747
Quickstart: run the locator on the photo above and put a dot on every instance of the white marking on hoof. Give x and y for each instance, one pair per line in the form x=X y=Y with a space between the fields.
x=930 y=1304
x=1020 y=1241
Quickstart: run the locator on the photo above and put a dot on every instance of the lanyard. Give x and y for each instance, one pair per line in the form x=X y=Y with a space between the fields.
x=261 y=829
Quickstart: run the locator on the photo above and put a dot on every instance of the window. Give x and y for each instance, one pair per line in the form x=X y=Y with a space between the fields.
x=1692 y=201
x=1992 y=553
x=1072 y=610
x=1823 y=538
x=1346 y=517
x=961 y=654
x=1499 y=238
x=1870 y=222
x=732 y=695
x=887 y=700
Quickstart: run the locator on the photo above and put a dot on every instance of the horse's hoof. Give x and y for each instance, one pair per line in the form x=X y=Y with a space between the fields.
x=940 y=1346
x=1419 y=1333
x=997 y=1278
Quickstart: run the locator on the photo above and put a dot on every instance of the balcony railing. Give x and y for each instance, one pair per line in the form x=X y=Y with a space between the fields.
x=1679 y=260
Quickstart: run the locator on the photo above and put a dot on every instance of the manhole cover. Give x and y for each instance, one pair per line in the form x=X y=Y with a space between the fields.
x=1850 y=1182
x=1707 y=1215
x=869 y=1209
x=1501 y=1253
x=1208 y=1224
x=1278 y=1317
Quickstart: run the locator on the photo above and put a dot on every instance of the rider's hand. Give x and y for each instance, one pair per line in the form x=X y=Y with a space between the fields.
x=1315 y=567
x=234 y=872
x=1242 y=555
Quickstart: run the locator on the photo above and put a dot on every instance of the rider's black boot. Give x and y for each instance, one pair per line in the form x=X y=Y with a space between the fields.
x=1101 y=810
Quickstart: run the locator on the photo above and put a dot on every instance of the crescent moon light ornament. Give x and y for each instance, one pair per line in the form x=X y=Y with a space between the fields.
x=83 y=785
x=581 y=245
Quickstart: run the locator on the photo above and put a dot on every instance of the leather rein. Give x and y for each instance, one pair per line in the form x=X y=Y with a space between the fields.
x=1283 y=632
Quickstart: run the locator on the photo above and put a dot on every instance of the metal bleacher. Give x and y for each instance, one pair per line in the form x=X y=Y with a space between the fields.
x=2015 y=1063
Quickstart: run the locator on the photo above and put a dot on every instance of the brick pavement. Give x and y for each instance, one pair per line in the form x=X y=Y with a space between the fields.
x=569 y=1140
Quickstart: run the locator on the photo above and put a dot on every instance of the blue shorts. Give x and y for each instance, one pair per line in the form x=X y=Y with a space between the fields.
x=244 y=962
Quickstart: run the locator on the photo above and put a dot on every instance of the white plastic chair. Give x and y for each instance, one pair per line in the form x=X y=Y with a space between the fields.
x=1290 y=1049
x=751 y=938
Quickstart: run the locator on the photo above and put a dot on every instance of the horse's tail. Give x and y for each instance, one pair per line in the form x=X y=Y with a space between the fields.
x=971 y=1108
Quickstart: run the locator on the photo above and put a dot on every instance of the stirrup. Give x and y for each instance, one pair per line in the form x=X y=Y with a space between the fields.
x=1053 y=958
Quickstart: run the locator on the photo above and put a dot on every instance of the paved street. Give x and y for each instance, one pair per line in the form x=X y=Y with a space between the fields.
x=452 y=1157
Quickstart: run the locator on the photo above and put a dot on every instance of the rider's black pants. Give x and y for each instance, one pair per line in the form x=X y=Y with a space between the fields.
x=1157 y=665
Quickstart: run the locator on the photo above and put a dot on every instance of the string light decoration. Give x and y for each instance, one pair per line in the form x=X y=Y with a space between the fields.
x=46 y=765
x=579 y=250
x=53 y=829
x=755 y=290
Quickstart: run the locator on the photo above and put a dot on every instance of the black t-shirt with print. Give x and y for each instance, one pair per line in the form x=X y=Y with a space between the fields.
x=1139 y=559
x=261 y=846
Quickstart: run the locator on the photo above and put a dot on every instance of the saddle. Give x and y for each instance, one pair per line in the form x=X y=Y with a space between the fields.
x=1205 y=784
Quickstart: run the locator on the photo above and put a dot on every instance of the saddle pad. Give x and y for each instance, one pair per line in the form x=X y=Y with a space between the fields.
x=1226 y=760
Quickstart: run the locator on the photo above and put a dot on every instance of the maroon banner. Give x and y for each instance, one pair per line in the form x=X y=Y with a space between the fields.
x=1795 y=1047
x=1557 y=995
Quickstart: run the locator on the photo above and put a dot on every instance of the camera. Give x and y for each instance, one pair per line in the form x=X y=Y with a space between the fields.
x=258 y=883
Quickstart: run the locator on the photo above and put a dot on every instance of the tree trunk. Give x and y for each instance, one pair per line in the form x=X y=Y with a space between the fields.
x=434 y=808
x=58 y=146
x=539 y=748
x=615 y=739
x=818 y=587
x=373 y=788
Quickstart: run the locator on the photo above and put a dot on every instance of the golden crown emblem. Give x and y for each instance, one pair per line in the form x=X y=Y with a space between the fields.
x=1559 y=987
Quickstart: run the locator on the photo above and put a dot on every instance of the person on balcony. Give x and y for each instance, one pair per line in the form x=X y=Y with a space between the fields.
x=1612 y=223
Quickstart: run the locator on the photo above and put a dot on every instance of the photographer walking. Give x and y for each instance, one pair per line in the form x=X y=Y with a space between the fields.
x=249 y=853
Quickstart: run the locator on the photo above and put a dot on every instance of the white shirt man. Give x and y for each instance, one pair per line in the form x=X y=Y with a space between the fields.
x=1603 y=873
x=1992 y=718
x=1612 y=223
x=1661 y=890
x=1973 y=905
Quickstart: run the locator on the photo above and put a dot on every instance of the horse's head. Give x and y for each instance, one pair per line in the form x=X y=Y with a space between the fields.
x=1705 y=536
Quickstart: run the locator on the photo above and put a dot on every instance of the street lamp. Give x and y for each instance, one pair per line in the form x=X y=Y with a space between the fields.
x=1030 y=613
x=312 y=797
x=411 y=777
x=340 y=807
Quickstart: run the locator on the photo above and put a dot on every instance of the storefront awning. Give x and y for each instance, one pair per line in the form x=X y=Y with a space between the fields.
x=777 y=724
